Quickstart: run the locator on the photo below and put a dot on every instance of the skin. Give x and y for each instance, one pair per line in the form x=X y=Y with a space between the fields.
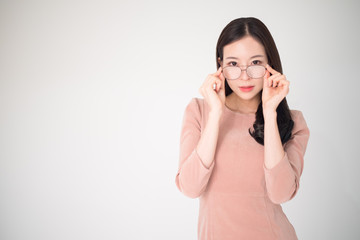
x=275 y=88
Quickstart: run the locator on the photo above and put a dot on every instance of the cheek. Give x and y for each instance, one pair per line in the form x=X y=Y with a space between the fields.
x=260 y=83
x=231 y=84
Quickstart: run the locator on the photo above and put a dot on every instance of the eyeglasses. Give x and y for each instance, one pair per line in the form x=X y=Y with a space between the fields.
x=253 y=71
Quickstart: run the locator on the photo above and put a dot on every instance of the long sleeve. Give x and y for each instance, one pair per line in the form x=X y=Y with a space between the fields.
x=192 y=176
x=283 y=180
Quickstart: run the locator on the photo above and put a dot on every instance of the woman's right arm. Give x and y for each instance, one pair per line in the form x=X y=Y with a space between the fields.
x=208 y=140
x=216 y=100
x=197 y=144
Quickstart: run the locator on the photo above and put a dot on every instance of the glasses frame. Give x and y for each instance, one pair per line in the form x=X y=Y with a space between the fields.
x=246 y=69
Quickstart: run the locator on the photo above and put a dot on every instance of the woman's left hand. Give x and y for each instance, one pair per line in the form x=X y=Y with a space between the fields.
x=275 y=89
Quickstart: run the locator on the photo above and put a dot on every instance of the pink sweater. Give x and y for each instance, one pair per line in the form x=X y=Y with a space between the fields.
x=239 y=197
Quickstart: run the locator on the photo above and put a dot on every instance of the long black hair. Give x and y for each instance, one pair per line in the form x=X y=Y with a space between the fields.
x=253 y=27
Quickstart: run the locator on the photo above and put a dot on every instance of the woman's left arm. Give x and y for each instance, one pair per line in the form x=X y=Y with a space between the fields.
x=283 y=165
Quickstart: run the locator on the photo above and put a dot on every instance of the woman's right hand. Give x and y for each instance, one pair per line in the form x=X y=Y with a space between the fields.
x=214 y=97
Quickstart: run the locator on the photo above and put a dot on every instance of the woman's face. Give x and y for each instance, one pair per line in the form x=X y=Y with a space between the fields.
x=244 y=52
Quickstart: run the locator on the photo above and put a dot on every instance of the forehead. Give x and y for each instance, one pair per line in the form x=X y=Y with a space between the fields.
x=244 y=48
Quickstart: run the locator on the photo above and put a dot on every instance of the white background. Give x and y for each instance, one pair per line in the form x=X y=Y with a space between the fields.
x=92 y=95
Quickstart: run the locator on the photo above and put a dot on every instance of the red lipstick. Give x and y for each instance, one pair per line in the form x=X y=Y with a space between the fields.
x=246 y=89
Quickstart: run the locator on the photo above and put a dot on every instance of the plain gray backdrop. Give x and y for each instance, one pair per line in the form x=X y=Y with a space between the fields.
x=92 y=95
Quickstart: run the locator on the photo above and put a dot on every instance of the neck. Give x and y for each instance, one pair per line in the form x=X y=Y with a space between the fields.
x=240 y=105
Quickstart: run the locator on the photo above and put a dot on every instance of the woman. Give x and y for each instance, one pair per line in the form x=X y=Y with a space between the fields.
x=241 y=148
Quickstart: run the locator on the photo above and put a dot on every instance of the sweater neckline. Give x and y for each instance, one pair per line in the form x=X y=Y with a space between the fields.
x=227 y=109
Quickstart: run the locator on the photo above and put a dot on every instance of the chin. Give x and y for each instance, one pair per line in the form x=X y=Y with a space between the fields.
x=247 y=96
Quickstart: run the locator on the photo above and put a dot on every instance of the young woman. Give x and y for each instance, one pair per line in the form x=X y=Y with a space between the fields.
x=242 y=148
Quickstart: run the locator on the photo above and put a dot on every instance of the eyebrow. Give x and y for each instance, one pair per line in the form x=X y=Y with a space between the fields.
x=250 y=58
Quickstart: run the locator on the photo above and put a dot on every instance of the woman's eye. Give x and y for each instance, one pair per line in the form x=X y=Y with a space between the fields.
x=232 y=63
x=255 y=62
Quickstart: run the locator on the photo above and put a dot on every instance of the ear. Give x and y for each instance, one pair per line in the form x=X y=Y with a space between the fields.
x=219 y=61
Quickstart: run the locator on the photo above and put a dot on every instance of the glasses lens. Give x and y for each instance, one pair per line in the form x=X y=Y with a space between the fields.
x=231 y=73
x=257 y=71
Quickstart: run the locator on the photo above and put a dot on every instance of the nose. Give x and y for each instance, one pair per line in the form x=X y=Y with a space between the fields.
x=244 y=75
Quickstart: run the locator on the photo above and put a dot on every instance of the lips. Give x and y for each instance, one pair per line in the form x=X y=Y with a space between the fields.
x=246 y=88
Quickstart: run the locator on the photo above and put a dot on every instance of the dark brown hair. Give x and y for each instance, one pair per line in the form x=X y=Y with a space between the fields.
x=253 y=27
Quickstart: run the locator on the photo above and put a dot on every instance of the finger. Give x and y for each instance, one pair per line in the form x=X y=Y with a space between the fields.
x=285 y=83
x=271 y=83
x=222 y=87
x=218 y=85
x=222 y=82
x=270 y=80
x=278 y=79
x=215 y=83
x=222 y=91
x=210 y=79
x=214 y=86
x=270 y=69
x=218 y=72
x=276 y=75
x=219 y=79
x=281 y=83
x=275 y=82
x=266 y=79
x=275 y=78
x=221 y=76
